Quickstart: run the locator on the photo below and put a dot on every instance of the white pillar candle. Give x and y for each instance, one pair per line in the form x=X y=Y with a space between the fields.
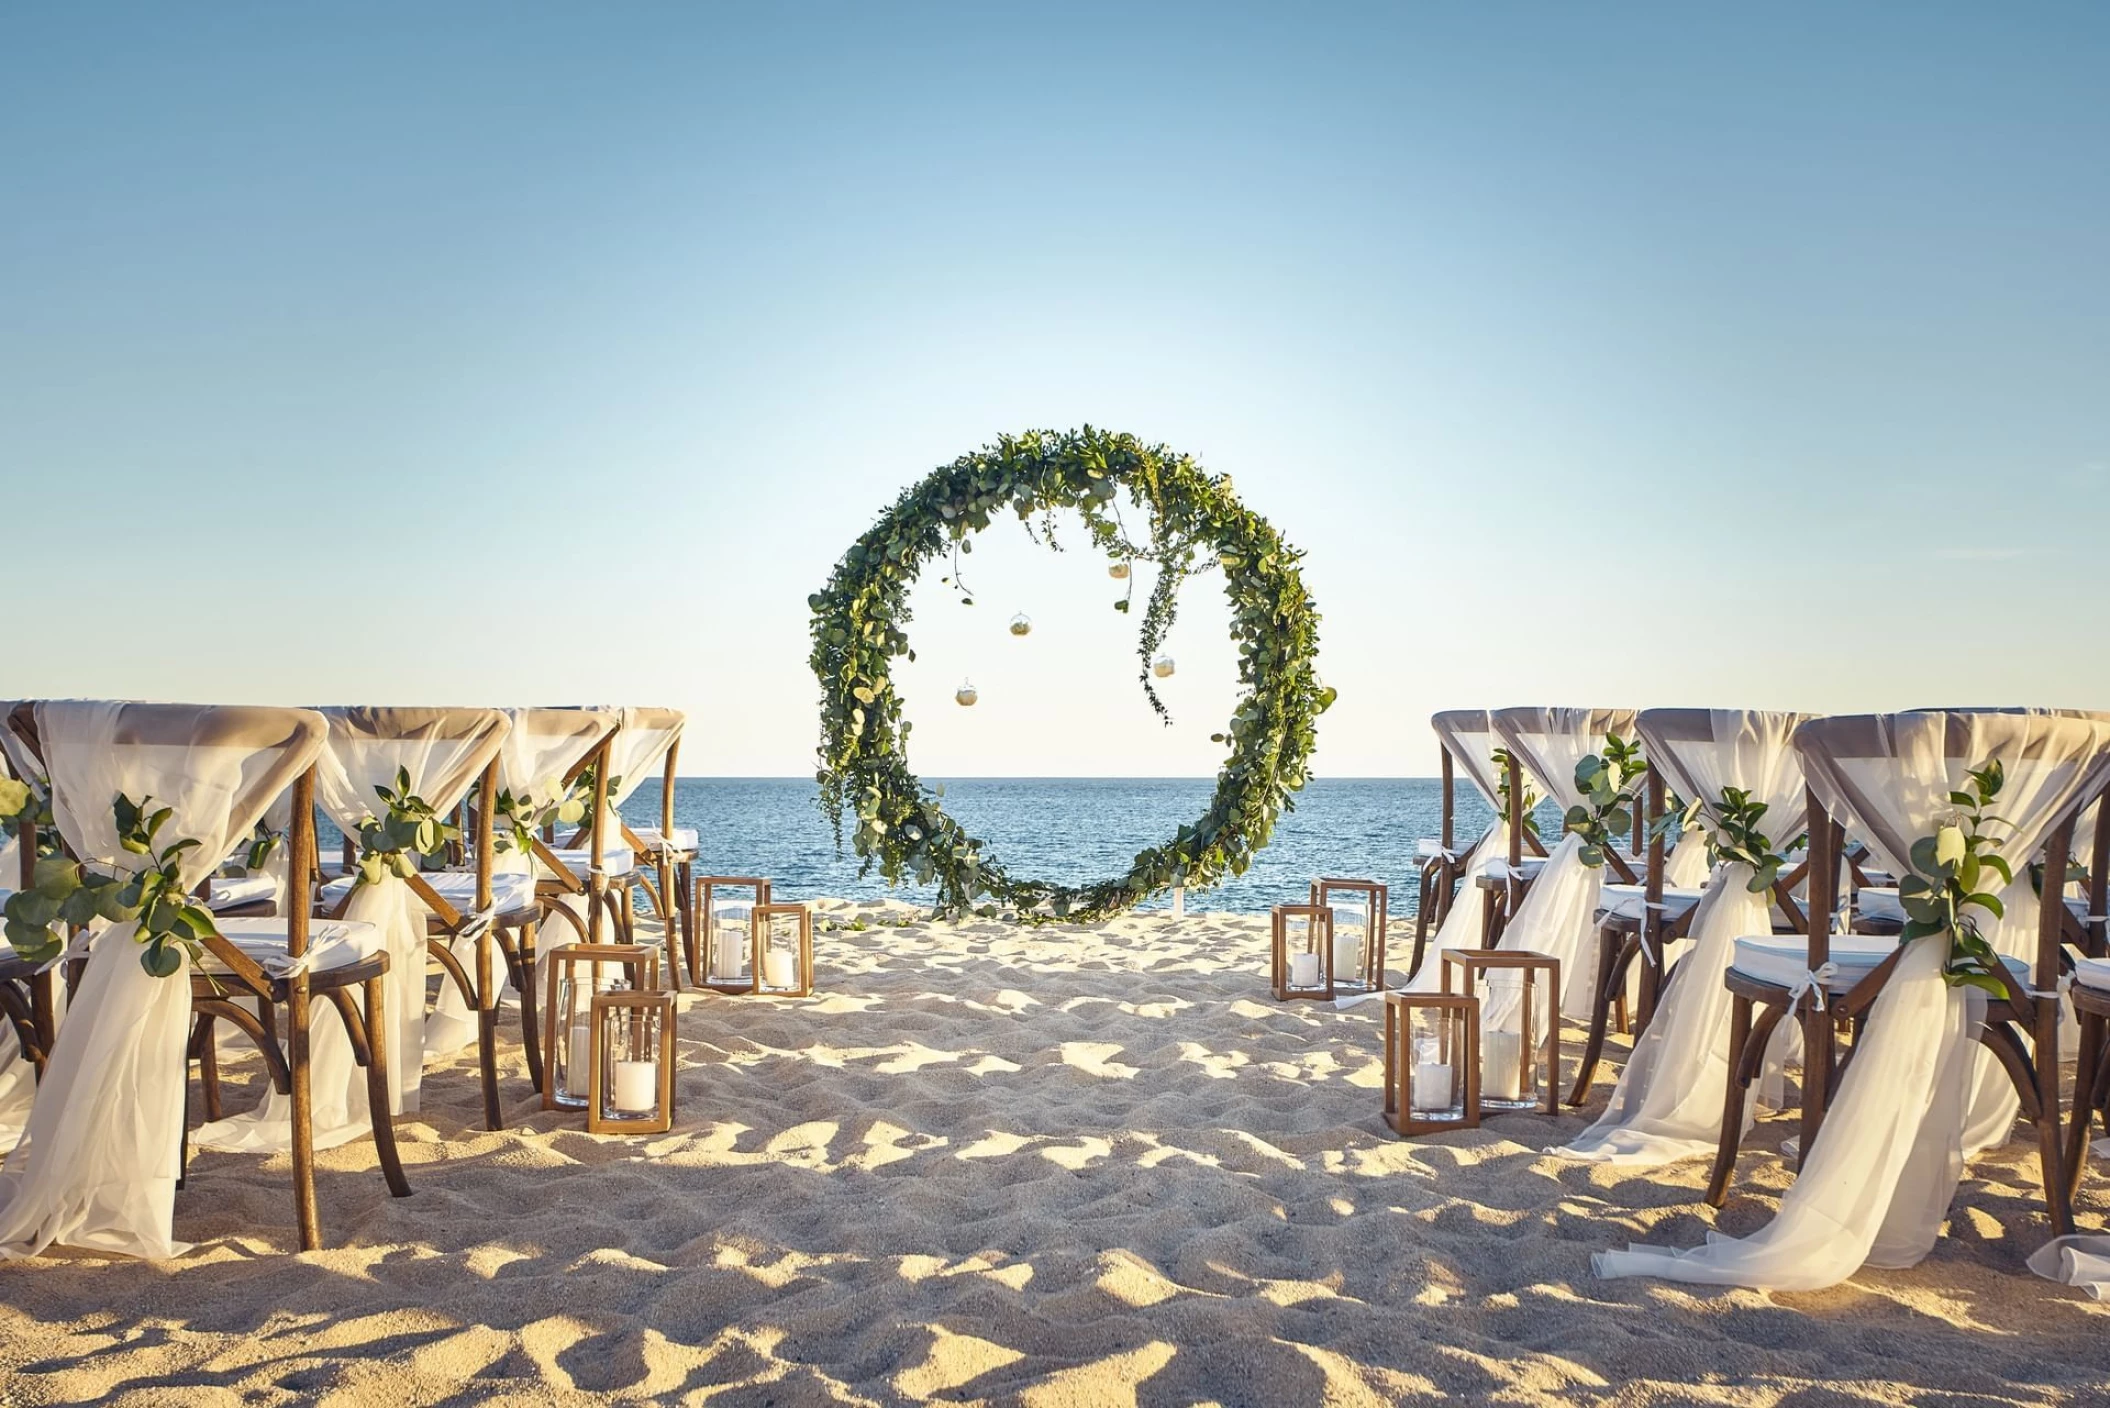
x=636 y=1087
x=728 y=952
x=1432 y=1087
x=780 y=968
x=578 y=1062
x=1348 y=955
x=1304 y=970
x=1502 y=1065
x=1179 y=901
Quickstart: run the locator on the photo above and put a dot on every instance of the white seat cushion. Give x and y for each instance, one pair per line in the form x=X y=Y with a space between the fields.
x=510 y=890
x=1883 y=904
x=332 y=943
x=1785 y=958
x=228 y=891
x=684 y=837
x=615 y=860
x=1625 y=901
x=1499 y=868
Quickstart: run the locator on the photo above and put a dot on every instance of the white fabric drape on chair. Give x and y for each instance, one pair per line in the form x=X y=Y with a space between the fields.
x=1878 y=1181
x=1470 y=739
x=18 y=1075
x=1668 y=1104
x=445 y=751
x=99 y=1165
x=540 y=747
x=1559 y=914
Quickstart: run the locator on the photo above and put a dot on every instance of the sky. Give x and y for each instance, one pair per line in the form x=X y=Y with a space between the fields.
x=1612 y=355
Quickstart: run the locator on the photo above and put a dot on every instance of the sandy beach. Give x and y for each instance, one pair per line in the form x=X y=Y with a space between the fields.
x=1057 y=1166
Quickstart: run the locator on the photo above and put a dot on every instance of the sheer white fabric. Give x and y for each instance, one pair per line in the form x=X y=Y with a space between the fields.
x=1559 y=914
x=1668 y=1104
x=639 y=747
x=1469 y=738
x=540 y=747
x=99 y=1164
x=1877 y=1184
x=444 y=751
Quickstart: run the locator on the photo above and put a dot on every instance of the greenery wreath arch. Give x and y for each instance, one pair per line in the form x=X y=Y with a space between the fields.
x=1195 y=522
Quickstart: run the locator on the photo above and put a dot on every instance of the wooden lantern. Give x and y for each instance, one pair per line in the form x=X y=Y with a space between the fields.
x=1303 y=952
x=577 y=972
x=1520 y=996
x=1432 y=1062
x=727 y=924
x=631 y=1071
x=783 y=950
x=1359 y=944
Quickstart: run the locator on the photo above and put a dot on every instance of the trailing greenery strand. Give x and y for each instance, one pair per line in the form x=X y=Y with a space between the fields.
x=860 y=622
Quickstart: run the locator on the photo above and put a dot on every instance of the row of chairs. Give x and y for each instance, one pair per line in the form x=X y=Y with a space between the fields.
x=109 y=1042
x=1818 y=952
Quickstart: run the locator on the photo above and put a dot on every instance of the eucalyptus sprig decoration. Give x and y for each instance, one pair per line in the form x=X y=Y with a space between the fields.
x=1950 y=884
x=551 y=802
x=1734 y=836
x=263 y=841
x=171 y=926
x=1501 y=759
x=1606 y=812
x=407 y=831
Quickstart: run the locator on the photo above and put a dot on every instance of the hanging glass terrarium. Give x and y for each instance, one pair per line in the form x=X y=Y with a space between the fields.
x=1162 y=667
x=1118 y=571
x=1022 y=624
x=966 y=694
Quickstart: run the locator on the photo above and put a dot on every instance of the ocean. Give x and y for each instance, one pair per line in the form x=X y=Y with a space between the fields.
x=1076 y=830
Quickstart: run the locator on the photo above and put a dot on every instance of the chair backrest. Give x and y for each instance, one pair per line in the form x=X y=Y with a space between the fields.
x=1889 y=778
x=1547 y=744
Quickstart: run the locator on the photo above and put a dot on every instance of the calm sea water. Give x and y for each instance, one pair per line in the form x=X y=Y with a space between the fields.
x=1073 y=830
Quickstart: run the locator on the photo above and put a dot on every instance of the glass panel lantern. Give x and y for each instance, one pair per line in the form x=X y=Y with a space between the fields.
x=577 y=972
x=1359 y=909
x=1519 y=993
x=728 y=929
x=632 y=1063
x=1303 y=952
x=1432 y=1062
x=783 y=961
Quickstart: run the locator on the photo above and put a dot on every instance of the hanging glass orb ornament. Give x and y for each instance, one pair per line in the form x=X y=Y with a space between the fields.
x=966 y=694
x=1117 y=570
x=1022 y=624
x=1162 y=667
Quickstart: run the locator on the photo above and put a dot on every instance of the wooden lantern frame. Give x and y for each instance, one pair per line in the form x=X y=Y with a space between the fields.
x=641 y=960
x=1319 y=921
x=600 y=1069
x=700 y=974
x=1377 y=897
x=1469 y=963
x=1399 y=1090
x=759 y=934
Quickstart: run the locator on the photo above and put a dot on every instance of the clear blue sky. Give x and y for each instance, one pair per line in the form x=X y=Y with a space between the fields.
x=1605 y=354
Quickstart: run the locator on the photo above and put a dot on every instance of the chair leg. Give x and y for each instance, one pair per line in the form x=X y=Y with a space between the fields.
x=1610 y=972
x=377 y=1097
x=2050 y=1162
x=303 y=1116
x=209 y=1066
x=1732 y=1135
x=487 y=1030
x=2087 y=1092
x=530 y=1024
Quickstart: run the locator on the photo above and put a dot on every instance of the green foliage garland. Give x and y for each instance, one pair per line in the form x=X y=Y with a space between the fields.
x=860 y=624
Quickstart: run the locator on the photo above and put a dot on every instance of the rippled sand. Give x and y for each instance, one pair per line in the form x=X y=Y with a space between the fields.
x=1066 y=1166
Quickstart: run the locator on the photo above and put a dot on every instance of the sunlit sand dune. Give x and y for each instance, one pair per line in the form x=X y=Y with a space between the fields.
x=1063 y=1166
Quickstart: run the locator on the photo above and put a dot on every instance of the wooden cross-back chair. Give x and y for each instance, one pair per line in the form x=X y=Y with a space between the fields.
x=1644 y=933
x=1505 y=895
x=350 y=960
x=2090 y=994
x=666 y=856
x=1465 y=740
x=2021 y=1030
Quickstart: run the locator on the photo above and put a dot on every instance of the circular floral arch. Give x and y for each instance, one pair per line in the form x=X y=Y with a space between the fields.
x=860 y=624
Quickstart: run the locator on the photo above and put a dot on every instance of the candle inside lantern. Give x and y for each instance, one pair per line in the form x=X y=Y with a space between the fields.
x=1502 y=1065
x=1347 y=953
x=1304 y=970
x=728 y=951
x=636 y=1087
x=578 y=1063
x=780 y=968
x=1432 y=1086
